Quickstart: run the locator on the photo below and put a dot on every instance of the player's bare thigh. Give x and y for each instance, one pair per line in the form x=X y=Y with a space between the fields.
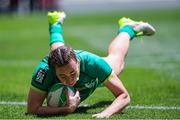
x=116 y=64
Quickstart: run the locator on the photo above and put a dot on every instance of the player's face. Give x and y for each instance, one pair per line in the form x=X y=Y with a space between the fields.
x=69 y=73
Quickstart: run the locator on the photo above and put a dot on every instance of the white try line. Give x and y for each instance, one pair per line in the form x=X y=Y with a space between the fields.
x=155 y=107
x=12 y=103
x=86 y=105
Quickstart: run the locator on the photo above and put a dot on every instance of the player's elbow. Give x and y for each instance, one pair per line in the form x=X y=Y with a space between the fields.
x=32 y=110
x=127 y=99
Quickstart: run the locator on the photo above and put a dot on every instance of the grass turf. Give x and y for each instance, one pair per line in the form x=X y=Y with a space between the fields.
x=152 y=68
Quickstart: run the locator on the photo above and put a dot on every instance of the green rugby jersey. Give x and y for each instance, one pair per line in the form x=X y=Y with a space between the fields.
x=93 y=71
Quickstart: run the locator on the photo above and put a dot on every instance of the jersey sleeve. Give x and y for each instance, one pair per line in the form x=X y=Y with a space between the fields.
x=97 y=67
x=41 y=78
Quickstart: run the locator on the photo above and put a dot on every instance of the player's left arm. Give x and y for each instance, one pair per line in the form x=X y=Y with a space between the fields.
x=122 y=99
x=100 y=68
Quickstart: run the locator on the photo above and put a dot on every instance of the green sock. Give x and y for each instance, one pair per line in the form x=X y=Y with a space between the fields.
x=55 y=33
x=127 y=29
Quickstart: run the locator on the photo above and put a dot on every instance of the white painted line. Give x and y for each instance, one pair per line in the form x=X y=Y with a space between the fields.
x=12 y=103
x=155 y=107
x=86 y=105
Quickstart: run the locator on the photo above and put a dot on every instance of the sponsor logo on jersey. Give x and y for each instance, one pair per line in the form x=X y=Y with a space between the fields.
x=41 y=74
x=90 y=84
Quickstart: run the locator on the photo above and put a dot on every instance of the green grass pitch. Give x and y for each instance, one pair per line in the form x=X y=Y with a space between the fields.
x=152 y=65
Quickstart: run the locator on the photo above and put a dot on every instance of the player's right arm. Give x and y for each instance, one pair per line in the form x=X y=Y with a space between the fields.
x=36 y=99
x=42 y=80
x=55 y=20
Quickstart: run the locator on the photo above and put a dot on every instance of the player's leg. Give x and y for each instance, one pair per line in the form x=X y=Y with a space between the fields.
x=117 y=51
x=118 y=48
x=55 y=20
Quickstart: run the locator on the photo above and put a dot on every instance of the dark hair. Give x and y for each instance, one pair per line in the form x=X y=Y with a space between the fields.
x=61 y=56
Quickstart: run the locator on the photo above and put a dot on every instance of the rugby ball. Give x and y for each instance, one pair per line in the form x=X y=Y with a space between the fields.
x=58 y=94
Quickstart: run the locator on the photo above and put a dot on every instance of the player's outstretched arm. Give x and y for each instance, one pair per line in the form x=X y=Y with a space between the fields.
x=55 y=20
x=35 y=101
x=121 y=101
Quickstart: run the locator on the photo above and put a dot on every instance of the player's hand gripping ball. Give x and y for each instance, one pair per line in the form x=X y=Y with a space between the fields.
x=58 y=95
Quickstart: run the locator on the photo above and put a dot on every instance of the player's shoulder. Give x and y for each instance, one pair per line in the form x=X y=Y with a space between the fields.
x=41 y=71
x=42 y=75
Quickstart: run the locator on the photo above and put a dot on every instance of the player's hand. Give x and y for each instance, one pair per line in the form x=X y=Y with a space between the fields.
x=101 y=115
x=73 y=101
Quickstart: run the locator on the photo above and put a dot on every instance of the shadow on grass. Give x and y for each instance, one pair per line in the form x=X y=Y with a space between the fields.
x=46 y=116
x=84 y=108
x=80 y=109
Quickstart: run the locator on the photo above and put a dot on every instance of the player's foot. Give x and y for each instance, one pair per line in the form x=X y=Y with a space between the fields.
x=56 y=17
x=140 y=28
